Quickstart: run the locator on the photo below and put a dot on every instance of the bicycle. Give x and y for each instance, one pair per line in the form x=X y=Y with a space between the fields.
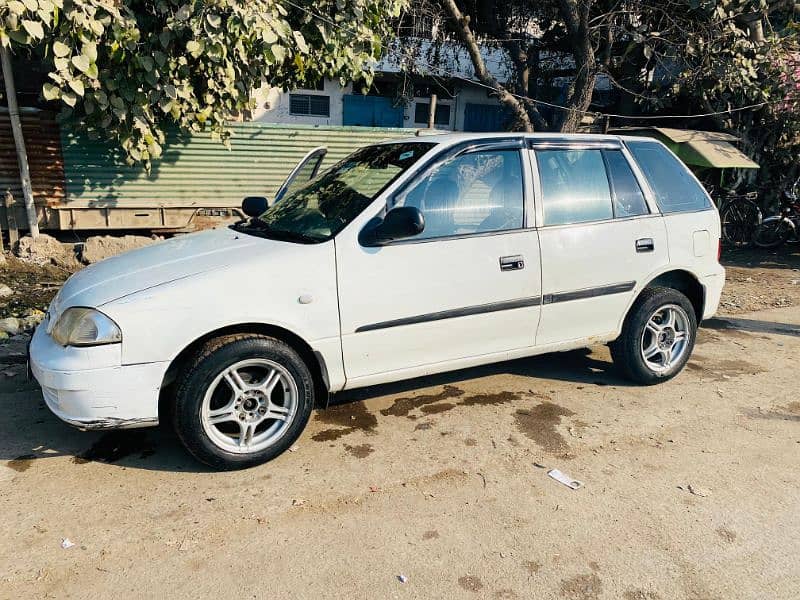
x=740 y=217
x=776 y=230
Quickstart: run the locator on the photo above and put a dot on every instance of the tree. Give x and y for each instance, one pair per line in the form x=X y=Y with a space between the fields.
x=127 y=69
x=717 y=57
x=657 y=53
x=575 y=33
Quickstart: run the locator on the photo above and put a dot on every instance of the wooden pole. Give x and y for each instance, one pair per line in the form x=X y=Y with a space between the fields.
x=432 y=112
x=19 y=141
x=11 y=219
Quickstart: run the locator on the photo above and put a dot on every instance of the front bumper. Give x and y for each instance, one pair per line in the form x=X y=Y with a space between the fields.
x=90 y=388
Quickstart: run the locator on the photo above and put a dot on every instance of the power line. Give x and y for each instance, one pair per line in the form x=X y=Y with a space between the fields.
x=550 y=104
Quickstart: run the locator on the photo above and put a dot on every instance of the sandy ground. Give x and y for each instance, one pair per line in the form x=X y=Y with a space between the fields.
x=691 y=491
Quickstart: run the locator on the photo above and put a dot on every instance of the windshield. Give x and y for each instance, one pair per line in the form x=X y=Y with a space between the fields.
x=323 y=206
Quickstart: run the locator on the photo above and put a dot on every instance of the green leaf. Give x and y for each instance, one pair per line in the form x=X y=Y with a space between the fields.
x=81 y=63
x=50 y=91
x=69 y=98
x=77 y=86
x=61 y=64
x=301 y=42
x=89 y=50
x=147 y=63
x=279 y=52
x=154 y=149
x=92 y=71
x=269 y=36
x=117 y=102
x=19 y=36
x=34 y=29
x=183 y=13
x=31 y=5
x=194 y=48
x=96 y=27
x=214 y=20
x=164 y=37
x=60 y=49
x=16 y=7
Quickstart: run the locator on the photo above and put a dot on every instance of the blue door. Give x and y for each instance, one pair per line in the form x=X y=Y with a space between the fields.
x=371 y=111
x=486 y=117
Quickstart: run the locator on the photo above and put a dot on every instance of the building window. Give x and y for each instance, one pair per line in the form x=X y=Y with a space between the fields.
x=309 y=105
x=442 y=116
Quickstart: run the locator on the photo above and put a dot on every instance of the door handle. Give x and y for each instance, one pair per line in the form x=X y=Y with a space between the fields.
x=645 y=245
x=512 y=263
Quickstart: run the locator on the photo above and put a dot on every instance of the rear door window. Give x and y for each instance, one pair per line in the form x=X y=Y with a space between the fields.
x=675 y=188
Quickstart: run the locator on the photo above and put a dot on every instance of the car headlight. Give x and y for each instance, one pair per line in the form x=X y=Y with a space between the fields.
x=79 y=326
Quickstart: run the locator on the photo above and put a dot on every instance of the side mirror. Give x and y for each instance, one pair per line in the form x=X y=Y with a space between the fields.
x=399 y=223
x=253 y=206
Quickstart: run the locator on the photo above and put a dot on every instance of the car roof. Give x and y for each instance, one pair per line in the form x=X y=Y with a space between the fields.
x=449 y=139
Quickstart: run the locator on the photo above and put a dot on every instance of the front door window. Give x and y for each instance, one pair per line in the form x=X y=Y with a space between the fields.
x=478 y=192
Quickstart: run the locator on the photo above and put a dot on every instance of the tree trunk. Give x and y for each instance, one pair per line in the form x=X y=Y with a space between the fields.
x=483 y=75
x=576 y=18
x=19 y=142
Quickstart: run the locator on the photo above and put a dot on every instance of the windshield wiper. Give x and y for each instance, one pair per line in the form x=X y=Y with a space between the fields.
x=258 y=226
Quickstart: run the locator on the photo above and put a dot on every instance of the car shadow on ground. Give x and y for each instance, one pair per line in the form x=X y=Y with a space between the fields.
x=752 y=326
x=575 y=366
x=29 y=432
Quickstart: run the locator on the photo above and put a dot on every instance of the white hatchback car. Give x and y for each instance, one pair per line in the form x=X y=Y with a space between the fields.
x=406 y=258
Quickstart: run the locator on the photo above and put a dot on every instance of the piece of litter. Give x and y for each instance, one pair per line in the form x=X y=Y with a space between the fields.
x=402 y=578
x=698 y=491
x=374 y=488
x=565 y=479
x=719 y=392
x=66 y=543
x=294 y=448
x=539 y=465
x=298 y=502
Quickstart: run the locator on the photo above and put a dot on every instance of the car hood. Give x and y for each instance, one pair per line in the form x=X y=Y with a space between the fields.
x=161 y=263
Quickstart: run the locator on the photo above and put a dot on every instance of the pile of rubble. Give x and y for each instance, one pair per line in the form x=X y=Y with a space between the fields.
x=46 y=249
x=30 y=277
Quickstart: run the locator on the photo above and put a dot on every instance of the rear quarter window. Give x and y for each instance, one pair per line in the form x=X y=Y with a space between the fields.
x=675 y=188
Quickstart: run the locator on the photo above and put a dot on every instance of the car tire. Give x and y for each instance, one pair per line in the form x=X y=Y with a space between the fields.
x=657 y=337
x=242 y=400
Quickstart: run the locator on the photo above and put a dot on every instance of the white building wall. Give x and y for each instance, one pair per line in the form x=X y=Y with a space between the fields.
x=273 y=106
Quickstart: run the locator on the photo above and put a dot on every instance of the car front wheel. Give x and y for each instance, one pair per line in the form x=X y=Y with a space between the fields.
x=243 y=400
x=657 y=338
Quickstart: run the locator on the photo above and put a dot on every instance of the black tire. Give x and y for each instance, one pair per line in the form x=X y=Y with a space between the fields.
x=772 y=233
x=206 y=366
x=739 y=219
x=626 y=351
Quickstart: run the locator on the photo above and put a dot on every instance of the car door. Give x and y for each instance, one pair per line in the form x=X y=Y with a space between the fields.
x=600 y=238
x=303 y=172
x=467 y=287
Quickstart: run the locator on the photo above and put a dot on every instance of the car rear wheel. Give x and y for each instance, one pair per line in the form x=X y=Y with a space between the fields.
x=243 y=400
x=657 y=338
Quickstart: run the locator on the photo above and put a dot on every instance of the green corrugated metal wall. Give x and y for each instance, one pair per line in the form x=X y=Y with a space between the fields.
x=196 y=171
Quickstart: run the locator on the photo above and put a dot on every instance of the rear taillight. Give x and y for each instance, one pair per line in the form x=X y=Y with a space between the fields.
x=719 y=249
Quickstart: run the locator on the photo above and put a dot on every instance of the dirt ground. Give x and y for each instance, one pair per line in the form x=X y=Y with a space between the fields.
x=691 y=488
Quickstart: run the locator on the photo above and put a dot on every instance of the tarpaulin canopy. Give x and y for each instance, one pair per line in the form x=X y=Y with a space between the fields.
x=709 y=149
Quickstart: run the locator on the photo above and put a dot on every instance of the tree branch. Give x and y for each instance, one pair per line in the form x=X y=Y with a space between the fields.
x=481 y=72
